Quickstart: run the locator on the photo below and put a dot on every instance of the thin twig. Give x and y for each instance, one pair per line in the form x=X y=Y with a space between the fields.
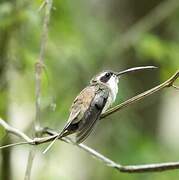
x=29 y=164
x=14 y=131
x=40 y=61
x=134 y=99
x=130 y=168
x=38 y=73
x=157 y=167
x=14 y=144
x=122 y=168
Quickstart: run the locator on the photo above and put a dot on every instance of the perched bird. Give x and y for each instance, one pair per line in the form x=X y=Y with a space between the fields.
x=92 y=101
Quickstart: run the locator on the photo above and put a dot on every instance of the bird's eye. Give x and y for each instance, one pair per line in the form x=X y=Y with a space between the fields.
x=106 y=77
x=108 y=74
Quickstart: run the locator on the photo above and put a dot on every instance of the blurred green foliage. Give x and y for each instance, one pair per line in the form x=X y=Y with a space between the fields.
x=165 y=52
x=2 y=132
x=80 y=42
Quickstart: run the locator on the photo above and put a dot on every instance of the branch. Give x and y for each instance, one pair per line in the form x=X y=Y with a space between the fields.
x=106 y=161
x=14 y=131
x=40 y=61
x=130 y=168
x=167 y=83
x=38 y=72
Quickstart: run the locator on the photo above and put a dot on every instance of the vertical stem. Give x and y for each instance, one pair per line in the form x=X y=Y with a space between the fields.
x=38 y=74
x=29 y=164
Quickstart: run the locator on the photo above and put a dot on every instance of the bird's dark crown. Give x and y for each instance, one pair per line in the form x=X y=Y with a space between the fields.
x=103 y=76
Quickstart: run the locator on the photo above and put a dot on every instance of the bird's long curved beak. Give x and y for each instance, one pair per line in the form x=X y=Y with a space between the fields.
x=130 y=70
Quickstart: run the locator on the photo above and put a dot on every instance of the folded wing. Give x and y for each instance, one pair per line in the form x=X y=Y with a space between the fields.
x=85 y=112
x=92 y=115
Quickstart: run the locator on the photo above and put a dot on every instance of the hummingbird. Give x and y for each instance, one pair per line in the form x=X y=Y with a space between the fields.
x=92 y=101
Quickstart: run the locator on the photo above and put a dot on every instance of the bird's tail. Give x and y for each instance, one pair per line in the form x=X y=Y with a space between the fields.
x=67 y=130
x=60 y=135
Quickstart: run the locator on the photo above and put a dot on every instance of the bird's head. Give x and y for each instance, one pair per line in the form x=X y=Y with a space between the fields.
x=108 y=77
x=111 y=78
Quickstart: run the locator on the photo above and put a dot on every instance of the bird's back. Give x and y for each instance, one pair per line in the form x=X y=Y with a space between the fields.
x=85 y=111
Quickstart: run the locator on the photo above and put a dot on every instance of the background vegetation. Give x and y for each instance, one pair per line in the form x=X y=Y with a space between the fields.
x=86 y=37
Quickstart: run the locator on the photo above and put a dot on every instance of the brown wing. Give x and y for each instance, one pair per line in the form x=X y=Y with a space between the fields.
x=92 y=114
x=78 y=108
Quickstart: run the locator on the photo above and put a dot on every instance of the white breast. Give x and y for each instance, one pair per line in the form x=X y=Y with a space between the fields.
x=113 y=86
